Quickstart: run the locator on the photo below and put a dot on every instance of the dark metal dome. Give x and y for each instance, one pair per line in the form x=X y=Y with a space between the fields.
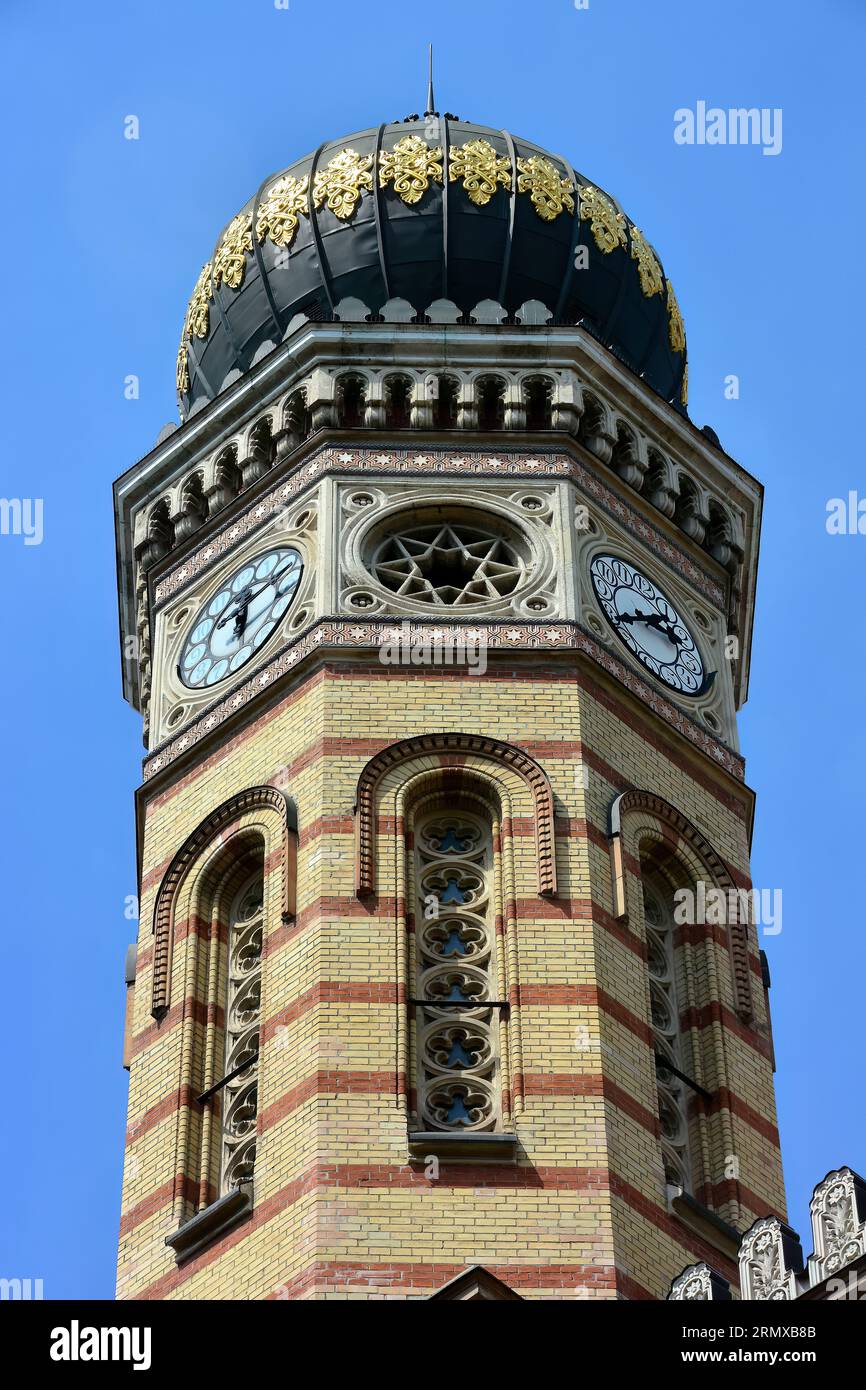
x=424 y=211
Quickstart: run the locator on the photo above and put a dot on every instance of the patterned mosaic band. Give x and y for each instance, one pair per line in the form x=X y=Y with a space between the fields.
x=504 y=637
x=406 y=462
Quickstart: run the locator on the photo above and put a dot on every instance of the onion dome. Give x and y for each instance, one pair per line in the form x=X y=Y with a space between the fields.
x=440 y=215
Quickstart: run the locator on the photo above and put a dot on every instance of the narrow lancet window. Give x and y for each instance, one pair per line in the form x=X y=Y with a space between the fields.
x=457 y=1032
x=667 y=1042
x=240 y=1099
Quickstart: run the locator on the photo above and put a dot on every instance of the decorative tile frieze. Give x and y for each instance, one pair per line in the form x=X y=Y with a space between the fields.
x=440 y=637
x=433 y=463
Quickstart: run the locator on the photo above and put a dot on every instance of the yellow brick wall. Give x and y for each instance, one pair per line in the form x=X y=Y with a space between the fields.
x=339 y=1212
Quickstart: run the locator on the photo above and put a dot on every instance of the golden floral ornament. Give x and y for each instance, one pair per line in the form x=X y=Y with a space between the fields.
x=280 y=211
x=480 y=168
x=676 y=327
x=340 y=183
x=181 y=375
x=196 y=324
x=410 y=166
x=229 y=265
x=549 y=191
x=649 y=270
x=606 y=224
x=684 y=389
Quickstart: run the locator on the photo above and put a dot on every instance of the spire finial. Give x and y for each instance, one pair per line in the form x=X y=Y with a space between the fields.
x=431 y=105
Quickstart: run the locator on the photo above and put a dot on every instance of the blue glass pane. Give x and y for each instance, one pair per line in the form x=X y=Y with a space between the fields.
x=458 y=1114
x=455 y=945
x=451 y=842
x=452 y=893
x=458 y=1056
x=457 y=994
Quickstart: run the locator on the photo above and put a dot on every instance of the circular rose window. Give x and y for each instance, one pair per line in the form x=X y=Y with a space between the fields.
x=449 y=564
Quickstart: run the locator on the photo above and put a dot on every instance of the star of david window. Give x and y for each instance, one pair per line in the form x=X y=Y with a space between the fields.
x=449 y=565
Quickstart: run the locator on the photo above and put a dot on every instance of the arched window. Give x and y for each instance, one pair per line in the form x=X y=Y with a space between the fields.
x=398 y=401
x=351 y=395
x=698 y=990
x=218 y=1134
x=666 y=995
x=445 y=408
x=490 y=395
x=538 y=396
x=230 y=886
x=453 y=801
x=241 y=1052
x=457 y=1032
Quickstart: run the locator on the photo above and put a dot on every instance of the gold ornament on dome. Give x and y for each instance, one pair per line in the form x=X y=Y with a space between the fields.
x=549 y=191
x=684 y=390
x=182 y=368
x=480 y=168
x=198 y=311
x=650 y=271
x=196 y=324
x=229 y=265
x=606 y=224
x=280 y=211
x=339 y=184
x=676 y=327
x=411 y=165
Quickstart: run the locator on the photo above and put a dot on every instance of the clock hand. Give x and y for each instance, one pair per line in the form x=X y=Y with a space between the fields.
x=651 y=619
x=241 y=619
x=243 y=601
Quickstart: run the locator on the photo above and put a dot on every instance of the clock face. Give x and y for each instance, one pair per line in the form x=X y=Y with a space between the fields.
x=232 y=626
x=646 y=622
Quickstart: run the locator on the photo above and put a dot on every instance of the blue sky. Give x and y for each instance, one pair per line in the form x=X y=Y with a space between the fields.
x=105 y=238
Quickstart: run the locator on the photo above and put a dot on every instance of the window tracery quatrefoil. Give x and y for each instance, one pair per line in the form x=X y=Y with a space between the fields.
x=664 y=1020
x=457 y=1036
x=240 y=1101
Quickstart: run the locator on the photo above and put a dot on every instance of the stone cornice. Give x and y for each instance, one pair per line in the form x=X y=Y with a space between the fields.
x=432 y=348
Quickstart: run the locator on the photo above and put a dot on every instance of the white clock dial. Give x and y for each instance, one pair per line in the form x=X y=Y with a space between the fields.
x=236 y=623
x=648 y=624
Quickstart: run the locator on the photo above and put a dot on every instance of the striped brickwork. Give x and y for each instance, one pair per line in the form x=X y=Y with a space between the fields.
x=340 y=1210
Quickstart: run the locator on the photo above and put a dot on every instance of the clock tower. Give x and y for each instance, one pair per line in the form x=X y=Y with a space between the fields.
x=437 y=608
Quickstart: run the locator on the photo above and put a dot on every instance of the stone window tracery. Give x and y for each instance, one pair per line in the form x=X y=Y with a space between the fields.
x=243 y=1007
x=457 y=1033
x=667 y=1043
x=448 y=564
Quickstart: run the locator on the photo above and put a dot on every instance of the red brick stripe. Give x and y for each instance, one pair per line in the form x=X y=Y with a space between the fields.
x=393 y=1275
